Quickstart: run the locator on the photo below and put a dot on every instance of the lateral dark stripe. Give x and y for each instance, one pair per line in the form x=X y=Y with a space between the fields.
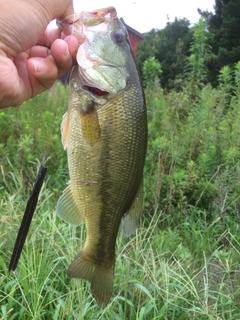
x=27 y=218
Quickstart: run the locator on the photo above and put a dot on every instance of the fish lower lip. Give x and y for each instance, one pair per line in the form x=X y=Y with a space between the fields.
x=96 y=91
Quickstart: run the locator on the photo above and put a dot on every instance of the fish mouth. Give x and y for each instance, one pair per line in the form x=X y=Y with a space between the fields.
x=96 y=91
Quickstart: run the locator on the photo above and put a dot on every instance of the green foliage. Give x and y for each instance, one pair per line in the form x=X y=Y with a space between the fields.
x=199 y=54
x=226 y=85
x=193 y=148
x=32 y=133
x=216 y=44
x=237 y=77
x=223 y=28
x=183 y=262
x=151 y=72
x=170 y=47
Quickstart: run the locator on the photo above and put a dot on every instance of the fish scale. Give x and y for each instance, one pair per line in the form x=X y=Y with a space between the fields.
x=105 y=134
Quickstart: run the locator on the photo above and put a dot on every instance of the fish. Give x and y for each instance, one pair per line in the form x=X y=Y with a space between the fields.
x=105 y=134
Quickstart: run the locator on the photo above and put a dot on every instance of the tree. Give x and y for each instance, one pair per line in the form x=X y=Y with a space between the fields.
x=170 y=47
x=224 y=31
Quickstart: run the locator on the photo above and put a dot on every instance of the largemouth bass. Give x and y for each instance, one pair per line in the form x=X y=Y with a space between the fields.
x=105 y=134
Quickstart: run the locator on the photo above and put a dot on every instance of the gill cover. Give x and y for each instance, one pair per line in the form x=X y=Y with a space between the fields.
x=102 y=57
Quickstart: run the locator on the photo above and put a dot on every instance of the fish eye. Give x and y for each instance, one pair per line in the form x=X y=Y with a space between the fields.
x=118 y=36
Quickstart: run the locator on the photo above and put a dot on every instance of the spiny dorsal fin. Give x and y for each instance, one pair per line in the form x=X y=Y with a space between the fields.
x=132 y=218
x=67 y=208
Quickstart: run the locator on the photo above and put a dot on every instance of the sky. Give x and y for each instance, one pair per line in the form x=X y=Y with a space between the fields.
x=155 y=14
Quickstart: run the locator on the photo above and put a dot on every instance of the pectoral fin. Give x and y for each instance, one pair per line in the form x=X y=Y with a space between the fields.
x=67 y=208
x=132 y=218
x=90 y=125
x=65 y=130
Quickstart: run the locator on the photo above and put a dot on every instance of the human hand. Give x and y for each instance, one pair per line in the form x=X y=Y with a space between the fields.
x=31 y=56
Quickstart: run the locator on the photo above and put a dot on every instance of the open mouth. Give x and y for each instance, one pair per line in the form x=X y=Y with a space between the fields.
x=96 y=91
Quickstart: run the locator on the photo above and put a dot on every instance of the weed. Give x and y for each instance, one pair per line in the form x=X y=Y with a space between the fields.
x=183 y=262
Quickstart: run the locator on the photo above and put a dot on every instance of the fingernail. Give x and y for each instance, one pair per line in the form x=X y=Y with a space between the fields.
x=67 y=53
x=38 y=65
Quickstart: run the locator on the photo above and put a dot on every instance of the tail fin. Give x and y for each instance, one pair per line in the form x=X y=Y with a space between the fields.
x=101 y=277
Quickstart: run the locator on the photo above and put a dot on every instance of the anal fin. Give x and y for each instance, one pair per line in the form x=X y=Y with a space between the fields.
x=67 y=208
x=132 y=217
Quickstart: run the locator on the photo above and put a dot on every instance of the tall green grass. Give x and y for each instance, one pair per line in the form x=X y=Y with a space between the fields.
x=183 y=262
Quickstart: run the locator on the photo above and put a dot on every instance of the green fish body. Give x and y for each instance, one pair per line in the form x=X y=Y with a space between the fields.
x=105 y=134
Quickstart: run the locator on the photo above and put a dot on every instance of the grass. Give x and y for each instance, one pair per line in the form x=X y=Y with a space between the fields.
x=183 y=262
x=171 y=273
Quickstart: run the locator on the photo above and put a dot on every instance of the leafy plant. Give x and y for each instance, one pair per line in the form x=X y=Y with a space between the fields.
x=183 y=262
x=151 y=72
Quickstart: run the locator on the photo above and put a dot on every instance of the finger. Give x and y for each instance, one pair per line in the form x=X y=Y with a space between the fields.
x=73 y=44
x=38 y=51
x=43 y=73
x=42 y=68
x=64 y=52
x=60 y=8
x=61 y=54
x=49 y=36
x=58 y=47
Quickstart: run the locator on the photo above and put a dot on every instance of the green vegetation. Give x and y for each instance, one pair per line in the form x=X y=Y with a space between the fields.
x=170 y=46
x=223 y=31
x=183 y=262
